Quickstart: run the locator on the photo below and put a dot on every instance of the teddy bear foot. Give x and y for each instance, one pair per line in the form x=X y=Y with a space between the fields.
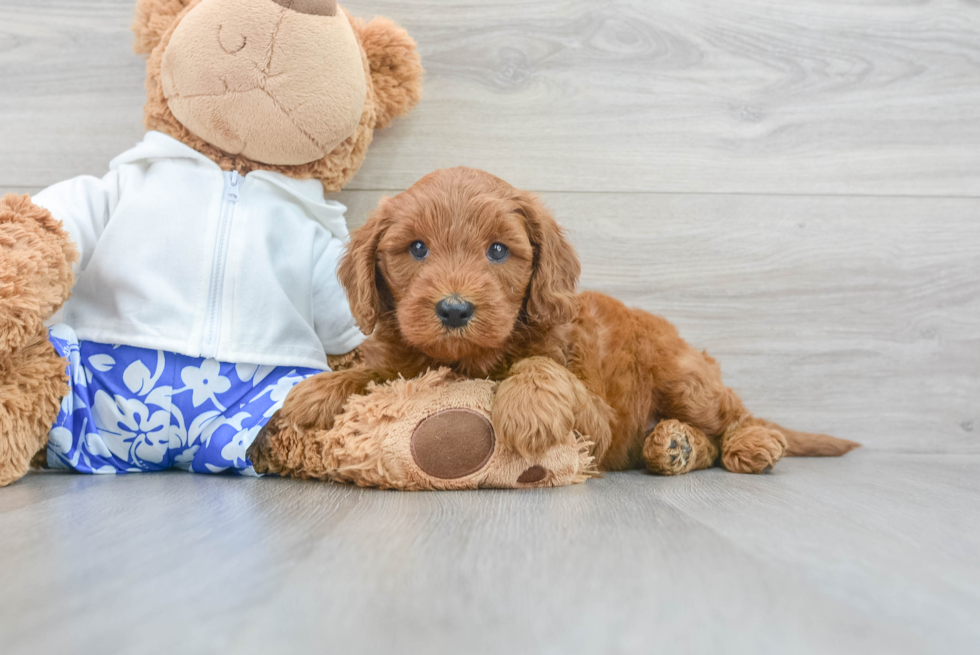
x=458 y=448
x=456 y=443
x=32 y=383
x=453 y=444
x=433 y=432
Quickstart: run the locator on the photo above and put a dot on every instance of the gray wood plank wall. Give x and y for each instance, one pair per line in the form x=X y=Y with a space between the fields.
x=796 y=185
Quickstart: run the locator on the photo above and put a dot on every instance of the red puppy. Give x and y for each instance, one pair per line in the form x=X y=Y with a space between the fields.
x=463 y=270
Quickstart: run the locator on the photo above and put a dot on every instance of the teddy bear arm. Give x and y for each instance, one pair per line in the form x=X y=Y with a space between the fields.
x=33 y=381
x=36 y=257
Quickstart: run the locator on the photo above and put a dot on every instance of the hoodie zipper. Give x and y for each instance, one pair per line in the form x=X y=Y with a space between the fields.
x=212 y=321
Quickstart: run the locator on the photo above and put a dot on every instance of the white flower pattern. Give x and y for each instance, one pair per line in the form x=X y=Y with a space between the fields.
x=205 y=381
x=124 y=415
x=130 y=431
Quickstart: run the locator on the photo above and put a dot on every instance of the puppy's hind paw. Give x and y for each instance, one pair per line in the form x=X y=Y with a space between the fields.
x=753 y=449
x=674 y=448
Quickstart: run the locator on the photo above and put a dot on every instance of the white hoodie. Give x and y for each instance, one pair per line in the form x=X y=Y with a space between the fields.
x=178 y=255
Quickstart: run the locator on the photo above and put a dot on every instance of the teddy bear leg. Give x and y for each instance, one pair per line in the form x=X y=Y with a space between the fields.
x=33 y=380
x=675 y=448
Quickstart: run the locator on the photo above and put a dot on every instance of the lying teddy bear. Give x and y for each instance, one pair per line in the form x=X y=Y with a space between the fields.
x=206 y=258
x=434 y=432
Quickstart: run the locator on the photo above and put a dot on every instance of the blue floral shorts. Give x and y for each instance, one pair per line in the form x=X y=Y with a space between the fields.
x=131 y=409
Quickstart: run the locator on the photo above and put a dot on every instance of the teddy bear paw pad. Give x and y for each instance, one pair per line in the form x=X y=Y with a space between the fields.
x=533 y=475
x=453 y=443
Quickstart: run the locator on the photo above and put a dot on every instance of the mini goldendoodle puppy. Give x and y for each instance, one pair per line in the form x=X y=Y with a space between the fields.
x=465 y=271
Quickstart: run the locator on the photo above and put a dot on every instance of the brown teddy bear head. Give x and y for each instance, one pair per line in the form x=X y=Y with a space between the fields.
x=292 y=86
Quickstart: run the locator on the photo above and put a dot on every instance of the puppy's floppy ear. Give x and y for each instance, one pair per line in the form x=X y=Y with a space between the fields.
x=358 y=269
x=153 y=19
x=552 y=298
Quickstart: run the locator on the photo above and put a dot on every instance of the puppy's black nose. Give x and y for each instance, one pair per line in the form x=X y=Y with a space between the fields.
x=454 y=312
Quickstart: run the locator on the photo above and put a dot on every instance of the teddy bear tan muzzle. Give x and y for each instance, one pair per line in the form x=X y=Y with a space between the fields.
x=281 y=82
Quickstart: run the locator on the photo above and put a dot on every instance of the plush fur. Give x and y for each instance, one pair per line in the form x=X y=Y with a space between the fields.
x=36 y=255
x=392 y=69
x=35 y=279
x=269 y=83
x=584 y=362
x=370 y=442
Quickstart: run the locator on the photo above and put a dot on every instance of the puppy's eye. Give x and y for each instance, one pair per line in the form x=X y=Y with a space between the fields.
x=498 y=253
x=418 y=250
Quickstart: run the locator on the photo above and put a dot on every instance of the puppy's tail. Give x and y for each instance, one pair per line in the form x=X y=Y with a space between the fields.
x=806 y=444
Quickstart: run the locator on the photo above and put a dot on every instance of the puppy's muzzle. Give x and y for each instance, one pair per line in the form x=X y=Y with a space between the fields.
x=454 y=312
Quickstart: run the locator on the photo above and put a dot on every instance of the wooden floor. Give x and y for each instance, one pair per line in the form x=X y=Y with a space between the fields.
x=796 y=185
x=876 y=553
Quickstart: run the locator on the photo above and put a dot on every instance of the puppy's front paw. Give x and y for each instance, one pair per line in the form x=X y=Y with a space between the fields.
x=278 y=449
x=262 y=452
x=753 y=449
x=532 y=417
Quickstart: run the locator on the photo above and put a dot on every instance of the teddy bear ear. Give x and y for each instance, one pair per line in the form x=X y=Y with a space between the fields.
x=153 y=19
x=396 y=67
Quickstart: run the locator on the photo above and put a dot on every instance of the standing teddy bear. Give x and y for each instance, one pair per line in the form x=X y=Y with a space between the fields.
x=202 y=267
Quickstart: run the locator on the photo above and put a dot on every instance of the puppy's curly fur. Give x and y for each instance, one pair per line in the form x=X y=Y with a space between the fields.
x=646 y=398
